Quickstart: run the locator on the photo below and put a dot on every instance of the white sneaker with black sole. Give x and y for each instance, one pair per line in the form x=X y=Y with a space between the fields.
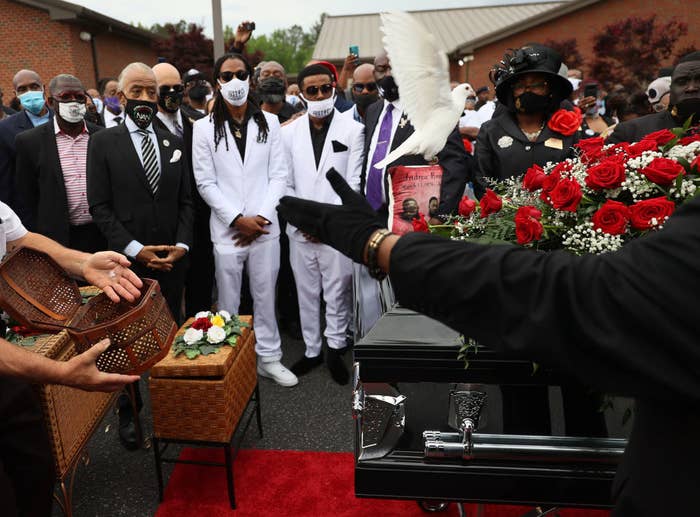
x=276 y=371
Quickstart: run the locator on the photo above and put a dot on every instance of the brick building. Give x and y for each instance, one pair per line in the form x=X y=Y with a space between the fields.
x=52 y=37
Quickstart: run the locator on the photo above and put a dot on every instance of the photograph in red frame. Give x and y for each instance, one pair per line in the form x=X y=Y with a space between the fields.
x=414 y=190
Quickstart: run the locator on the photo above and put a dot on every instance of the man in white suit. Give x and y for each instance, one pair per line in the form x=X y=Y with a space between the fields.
x=314 y=143
x=241 y=172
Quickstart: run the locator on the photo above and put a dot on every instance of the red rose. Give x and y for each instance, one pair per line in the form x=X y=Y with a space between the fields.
x=591 y=149
x=490 y=203
x=657 y=208
x=695 y=164
x=466 y=206
x=643 y=145
x=621 y=148
x=420 y=224
x=608 y=174
x=550 y=181
x=612 y=217
x=689 y=139
x=566 y=195
x=565 y=122
x=202 y=324
x=533 y=178
x=663 y=171
x=527 y=224
x=661 y=137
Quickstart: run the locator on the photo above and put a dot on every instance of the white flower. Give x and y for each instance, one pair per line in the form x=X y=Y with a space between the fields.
x=202 y=314
x=216 y=335
x=192 y=336
x=225 y=315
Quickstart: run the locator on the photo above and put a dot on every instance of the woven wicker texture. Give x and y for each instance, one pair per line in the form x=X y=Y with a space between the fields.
x=71 y=415
x=205 y=409
x=213 y=365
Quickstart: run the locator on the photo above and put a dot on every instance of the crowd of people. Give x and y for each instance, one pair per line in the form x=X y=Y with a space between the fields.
x=183 y=174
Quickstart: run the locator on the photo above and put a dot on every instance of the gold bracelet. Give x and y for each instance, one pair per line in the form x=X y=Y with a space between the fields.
x=373 y=254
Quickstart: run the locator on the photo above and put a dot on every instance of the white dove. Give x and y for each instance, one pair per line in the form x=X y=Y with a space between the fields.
x=421 y=71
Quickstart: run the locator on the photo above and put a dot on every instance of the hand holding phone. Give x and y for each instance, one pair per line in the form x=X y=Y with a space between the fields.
x=355 y=51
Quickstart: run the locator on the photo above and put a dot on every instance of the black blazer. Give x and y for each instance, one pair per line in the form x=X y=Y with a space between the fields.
x=40 y=184
x=623 y=323
x=636 y=129
x=121 y=201
x=456 y=163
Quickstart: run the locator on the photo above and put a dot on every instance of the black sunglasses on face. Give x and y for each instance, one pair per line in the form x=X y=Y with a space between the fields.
x=71 y=97
x=358 y=87
x=177 y=88
x=311 y=91
x=241 y=75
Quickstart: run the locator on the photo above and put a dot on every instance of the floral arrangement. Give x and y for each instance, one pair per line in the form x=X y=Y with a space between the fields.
x=593 y=203
x=207 y=333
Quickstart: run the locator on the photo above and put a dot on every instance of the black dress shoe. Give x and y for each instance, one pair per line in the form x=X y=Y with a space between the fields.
x=127 y=433
x=305 y=365
x=336 y=365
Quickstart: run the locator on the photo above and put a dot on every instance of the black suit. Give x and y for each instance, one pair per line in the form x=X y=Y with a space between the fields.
x=636 y=129
x=457 y=165
x=625 y=323
x=123 y=206
x=40 y=184
x=199 y=280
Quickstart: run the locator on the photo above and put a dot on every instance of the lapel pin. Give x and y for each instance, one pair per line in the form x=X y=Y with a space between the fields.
x=403 y=122
x=166 y=143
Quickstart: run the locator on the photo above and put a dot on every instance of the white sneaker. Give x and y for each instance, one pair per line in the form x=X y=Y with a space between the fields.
x=276 y=371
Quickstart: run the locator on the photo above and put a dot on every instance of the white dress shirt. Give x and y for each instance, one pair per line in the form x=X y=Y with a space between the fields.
x=170 y=120
x=109 y=118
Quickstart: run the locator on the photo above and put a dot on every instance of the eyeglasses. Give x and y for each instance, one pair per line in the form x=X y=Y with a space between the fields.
x=534 y=87
x=241 y=75
x=165 y=89
x=312 y=91
x=71 y=97
x=370 y=87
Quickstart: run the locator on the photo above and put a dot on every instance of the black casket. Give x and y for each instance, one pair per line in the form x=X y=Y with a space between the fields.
x=409 y=444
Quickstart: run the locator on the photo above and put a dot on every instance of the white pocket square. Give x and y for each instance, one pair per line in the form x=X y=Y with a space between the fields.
x=176 y=156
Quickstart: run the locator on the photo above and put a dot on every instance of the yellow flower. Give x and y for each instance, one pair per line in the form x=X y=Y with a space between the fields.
x=217 y=321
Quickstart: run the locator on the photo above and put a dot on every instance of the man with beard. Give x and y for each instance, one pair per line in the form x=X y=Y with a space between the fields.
x=684 y=103
x=364 y=92
x=138 y=188
x=271 y=88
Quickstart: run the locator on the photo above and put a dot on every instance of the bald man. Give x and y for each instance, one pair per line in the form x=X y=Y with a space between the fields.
x=177 y=118
x=272 y=87
x=364 y=92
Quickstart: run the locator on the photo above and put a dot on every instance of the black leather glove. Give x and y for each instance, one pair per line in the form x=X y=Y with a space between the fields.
x=345 y=227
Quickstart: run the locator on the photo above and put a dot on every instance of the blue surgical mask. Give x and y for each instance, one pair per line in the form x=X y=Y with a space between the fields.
x=98 y=104
x=33 y=101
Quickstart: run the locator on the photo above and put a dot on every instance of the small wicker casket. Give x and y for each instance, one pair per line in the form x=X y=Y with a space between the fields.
x=36 y=292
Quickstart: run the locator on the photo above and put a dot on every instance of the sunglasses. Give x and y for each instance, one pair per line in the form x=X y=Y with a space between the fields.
x=241 y=75
x=177 y=88
x=370 y=87
x=71 y=97
x=311 y=91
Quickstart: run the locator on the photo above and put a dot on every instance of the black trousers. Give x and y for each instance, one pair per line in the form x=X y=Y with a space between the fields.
x=172 y=283
x=27 y=473
x=87 y=238
x=199 y=279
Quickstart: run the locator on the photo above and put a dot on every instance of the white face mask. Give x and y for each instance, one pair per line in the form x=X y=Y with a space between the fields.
x=71 y=112
x=320 y=109
x=235 y=91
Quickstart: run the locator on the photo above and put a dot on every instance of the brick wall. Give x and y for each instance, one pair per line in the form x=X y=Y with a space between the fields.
x=115 y=52
x=583 y=25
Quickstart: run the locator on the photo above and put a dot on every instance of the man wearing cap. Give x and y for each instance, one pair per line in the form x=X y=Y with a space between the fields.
x=196 y=92
x=684 y=102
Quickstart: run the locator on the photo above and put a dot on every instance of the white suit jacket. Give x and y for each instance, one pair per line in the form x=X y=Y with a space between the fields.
x=342 y=151
x=230 y=186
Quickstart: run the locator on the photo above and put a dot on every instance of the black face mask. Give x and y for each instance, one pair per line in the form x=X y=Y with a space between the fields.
x=271 y=90
x=364 y=100
x=685 y=109
x=388 y=87
x=171 y=101
x=198 y=92
x=530 y=102
x=93 y=117
x=141 y=112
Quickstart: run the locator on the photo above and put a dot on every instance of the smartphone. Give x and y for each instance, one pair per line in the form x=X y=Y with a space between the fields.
x=355 y=51
x=249 y=26
x=590 y=90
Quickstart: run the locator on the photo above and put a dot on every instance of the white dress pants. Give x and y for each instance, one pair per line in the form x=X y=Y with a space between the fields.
x=319 y=267
x=263 y=261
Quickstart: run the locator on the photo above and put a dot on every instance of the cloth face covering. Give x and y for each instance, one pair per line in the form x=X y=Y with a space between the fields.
x=72 y=112
x=235 y=92
x=530 y=102
x=320 y=109
x=112 y=104
x=141 y=112
x=171 y=101
x=388 y=88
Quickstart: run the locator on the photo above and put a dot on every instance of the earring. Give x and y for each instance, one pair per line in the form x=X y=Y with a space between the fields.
x=517 y=104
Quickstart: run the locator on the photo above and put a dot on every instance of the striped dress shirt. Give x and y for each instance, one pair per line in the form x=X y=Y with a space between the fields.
x=72 y=153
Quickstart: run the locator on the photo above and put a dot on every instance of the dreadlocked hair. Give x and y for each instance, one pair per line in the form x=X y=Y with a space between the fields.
x=220 y=114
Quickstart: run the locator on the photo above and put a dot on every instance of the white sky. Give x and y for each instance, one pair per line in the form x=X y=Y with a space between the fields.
x=268 y=16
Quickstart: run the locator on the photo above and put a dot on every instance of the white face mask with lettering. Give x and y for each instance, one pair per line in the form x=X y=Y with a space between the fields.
x=71 y=112
x=235 y=92
x=320 y=109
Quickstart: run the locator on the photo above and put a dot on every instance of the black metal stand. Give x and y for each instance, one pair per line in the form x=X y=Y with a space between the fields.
x=229 y=454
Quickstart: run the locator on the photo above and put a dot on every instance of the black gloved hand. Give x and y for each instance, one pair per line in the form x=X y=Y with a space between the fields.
x=345 y=227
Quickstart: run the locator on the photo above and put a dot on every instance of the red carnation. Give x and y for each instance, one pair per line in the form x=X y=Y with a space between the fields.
x=202 y=324
x=533 y=178
x=661 y=137
x=663 y=171
x=466 y=206
x=608 y=174
x=565 y=122
x=612 y=217
x=643 y=213
x=420 y=224
x=527 y=224
x=566 y=195
x=643 y=145
x=591 y=149
x=490 y=203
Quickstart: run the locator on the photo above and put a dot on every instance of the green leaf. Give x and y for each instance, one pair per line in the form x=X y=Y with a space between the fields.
x=208 y=349
x=191 y=354
x=232 y=340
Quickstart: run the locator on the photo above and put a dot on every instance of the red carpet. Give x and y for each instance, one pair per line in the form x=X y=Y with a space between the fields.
x=292 y=484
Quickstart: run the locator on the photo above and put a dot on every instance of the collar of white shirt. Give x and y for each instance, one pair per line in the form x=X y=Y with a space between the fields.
x=133 y=128
x=169 y=120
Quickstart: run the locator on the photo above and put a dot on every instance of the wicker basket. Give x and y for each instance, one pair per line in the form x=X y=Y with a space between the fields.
x=203 y=399
x=35 y=291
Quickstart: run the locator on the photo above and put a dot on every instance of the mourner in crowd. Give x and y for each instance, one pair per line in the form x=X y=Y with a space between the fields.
x=51 y=170
x=364 y=92
x=139 y=195
x=113 y=113
x=27 y=472
x=315 y=142
x=659 y=93
x=197 y=89
x=272 y=85
x=5 y=111
x=241 y=173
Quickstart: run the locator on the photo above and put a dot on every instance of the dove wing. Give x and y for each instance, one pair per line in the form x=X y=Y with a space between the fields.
x=419 y=66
